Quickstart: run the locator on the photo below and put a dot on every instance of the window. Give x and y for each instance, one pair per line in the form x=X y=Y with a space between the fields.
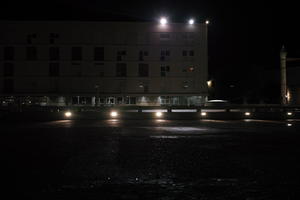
x=30 y=37
x=121 y=70
x=164 y=36
x=130 y=100
x=142 y=54
x=8 y=85
x=143 y=70
x=121 y=54
x=164 y=70
x=31 y=53
x=54 y=53
x=99 y=53
x=191 y=53
x=76 y=53
x=52 y=37
x=8 y=69
x=54 y=69
x=9 y=53
x=188 y=36
x=164 y=54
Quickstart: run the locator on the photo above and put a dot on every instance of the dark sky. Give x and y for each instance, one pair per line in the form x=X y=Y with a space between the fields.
x=242 y=34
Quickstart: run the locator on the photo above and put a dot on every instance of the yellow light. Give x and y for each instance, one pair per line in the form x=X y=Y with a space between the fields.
x=113 y=114
x=289 y=113
x=203 y=114
x=209 y=83
x=247 y=113
x=68 y=114
x=158 y=114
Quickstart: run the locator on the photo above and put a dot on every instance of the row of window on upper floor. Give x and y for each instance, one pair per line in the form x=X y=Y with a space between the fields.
x=162 y=36
x=121 y=70
x=77 y=52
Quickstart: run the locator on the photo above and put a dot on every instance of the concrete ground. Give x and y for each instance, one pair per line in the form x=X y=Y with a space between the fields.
x=152 y=159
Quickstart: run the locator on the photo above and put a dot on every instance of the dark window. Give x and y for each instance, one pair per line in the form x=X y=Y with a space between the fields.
x=30 y=37
x=164 y=36
x=8 y=69
x=163 y=70
x=99 y=53
x=76 y=53
x=191 y=53
x=120 y=55
x=52 y=37
x=9 y=53
x=184 y=53
x=54 y=53
x=143 y=70
x=163 y=54
x=31 y=53
x=8 y=85
x=54 y=69
x=121 y=70
x=142 y=54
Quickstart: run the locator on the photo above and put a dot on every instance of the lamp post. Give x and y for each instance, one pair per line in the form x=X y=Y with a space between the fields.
x=283 y=87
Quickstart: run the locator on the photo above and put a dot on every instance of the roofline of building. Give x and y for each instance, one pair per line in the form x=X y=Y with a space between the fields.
x=92 y=21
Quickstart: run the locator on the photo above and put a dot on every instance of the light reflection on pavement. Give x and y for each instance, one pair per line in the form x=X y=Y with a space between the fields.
x=155 y=159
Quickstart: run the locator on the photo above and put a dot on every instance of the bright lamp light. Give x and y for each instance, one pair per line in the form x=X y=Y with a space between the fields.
x=113 y=114
x=289 y=113
x=163 y=21
x=203 y=114
x=191 y=21
x=247 y=113
x=158 y=114
x=68 y=114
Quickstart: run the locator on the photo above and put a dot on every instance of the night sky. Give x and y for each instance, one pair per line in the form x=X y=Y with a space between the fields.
x=243 y=35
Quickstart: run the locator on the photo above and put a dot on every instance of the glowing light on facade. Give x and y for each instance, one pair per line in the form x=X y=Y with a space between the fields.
x=68 y=114
x=191 y=21
x=163 y=21
x=158 y=114
x=113 y=114
x=247 y=113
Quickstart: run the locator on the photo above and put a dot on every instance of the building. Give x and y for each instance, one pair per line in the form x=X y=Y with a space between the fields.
x=67 y=63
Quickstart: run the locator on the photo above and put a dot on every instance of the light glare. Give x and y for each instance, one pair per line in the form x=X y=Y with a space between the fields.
x=68 y=114
x=247 y=113
x=191 y=21
x=289 y=113
x=203 y=114
x=163 y=21
x=207 y=22
x=158 y=114
x=114 y=114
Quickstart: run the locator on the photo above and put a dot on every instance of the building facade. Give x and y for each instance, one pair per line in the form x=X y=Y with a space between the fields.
x=103 y=63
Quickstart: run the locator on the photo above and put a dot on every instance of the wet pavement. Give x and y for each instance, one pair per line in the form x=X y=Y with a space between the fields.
x=152 y=159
